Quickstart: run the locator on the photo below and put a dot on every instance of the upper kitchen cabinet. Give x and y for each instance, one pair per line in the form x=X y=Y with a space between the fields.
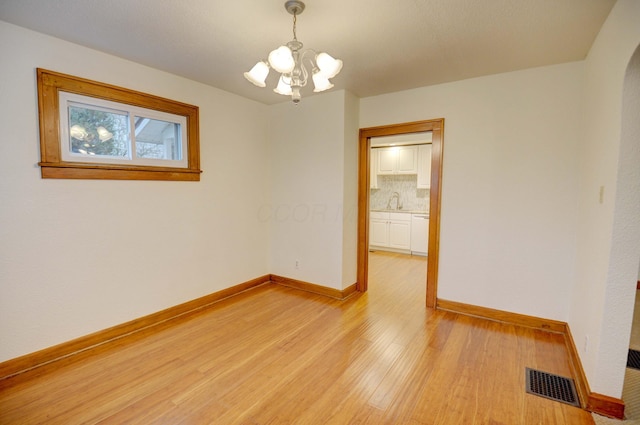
x=373 y=169
x=398 y=160
x=424 y=166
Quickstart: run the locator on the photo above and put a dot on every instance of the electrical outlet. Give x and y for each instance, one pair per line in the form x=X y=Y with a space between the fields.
x=297 y=264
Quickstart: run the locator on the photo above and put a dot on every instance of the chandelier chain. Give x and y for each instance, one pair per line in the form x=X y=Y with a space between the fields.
x=295 y=19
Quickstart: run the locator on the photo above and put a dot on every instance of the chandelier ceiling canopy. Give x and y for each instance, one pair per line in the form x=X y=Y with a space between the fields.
x=289 y=61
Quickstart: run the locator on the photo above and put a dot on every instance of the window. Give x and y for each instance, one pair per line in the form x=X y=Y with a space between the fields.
x=90 y=130
x=99 y=131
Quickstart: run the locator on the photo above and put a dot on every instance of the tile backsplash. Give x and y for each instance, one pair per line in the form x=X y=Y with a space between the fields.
x=411 y=198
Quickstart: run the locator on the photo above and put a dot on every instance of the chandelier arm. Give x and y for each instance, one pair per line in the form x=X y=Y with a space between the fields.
x=300 y=77
x=312 y=61
x=305 y=74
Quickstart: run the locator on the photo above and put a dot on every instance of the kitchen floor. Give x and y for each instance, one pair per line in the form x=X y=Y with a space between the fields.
x=385 y=266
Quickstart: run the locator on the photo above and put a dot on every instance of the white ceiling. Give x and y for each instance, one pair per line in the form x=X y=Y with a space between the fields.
x=386 y=45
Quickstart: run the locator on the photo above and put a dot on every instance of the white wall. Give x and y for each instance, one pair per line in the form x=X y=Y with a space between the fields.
x=79 y=256
x=350 y=193
x=609 y=233
x=313 y=152
x=507 y=237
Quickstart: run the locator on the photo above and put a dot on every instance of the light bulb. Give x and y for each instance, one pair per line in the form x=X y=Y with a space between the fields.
x=320 y=82
x=284 y=87
x=281 y=59
x=104 y=134
x=258 y=74
x=328 y=65
x=78 y=132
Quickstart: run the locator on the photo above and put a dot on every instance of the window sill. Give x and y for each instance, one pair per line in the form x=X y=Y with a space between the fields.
x=66 y=170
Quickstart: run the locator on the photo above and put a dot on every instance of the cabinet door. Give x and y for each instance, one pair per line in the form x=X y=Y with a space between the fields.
x=373 y=168
x=420 y=234
x=387 y=159
x=424 y=166
x=407 y=160
x=400 y=234
x=379 y=232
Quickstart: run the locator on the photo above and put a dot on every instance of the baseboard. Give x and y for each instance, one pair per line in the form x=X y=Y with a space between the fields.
x=373 y=248
x=501 y=316
x=312 y=287
x=582 y=385
x=73 y=348
x=606 y=406
x=593 y=402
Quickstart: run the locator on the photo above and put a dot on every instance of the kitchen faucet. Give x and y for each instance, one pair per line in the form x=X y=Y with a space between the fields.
x=395 y=195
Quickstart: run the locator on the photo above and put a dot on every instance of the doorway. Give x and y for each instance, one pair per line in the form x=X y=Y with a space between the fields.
x=436 y=127
x=627 y=209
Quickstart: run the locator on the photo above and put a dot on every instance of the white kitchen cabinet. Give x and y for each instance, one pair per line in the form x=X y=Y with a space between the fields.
x=400 y=231
x=373 y=169
x=408 y=160
x=420 y=234
x=424 y=167
x=390 y=230
x=379 y=229
x=387 y=160
x=398 y=160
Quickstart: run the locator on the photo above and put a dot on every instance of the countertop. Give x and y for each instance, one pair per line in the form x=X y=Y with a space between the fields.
x=400 y=211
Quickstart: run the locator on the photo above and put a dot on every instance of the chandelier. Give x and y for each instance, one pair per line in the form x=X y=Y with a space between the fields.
x=289 y=59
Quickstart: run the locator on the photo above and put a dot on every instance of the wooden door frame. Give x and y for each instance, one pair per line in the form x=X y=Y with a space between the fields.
x=436 y=126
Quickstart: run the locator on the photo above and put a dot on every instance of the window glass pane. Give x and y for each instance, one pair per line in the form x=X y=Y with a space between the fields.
x=98 y=131
x=157 y=139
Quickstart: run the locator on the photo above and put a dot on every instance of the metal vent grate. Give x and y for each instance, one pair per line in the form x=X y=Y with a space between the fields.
x=553 y=387
x=633 y=359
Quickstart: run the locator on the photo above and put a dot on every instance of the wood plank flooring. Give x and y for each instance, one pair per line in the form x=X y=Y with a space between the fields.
x=276 y=355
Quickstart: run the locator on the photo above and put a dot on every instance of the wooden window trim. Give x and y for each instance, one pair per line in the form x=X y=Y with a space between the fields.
x=53 y=167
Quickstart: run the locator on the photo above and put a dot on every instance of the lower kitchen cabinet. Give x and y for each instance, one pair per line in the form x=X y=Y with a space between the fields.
x=379 y=230
x=419 y=234
x=390 y=230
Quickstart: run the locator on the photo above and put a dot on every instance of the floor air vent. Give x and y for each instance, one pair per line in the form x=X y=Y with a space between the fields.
x=633 y=359
x=553 y=387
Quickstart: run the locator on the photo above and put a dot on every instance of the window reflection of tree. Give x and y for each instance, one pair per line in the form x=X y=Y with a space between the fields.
x=95 y=132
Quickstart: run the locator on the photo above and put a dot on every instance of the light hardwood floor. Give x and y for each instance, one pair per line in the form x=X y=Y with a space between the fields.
x=275 y=355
